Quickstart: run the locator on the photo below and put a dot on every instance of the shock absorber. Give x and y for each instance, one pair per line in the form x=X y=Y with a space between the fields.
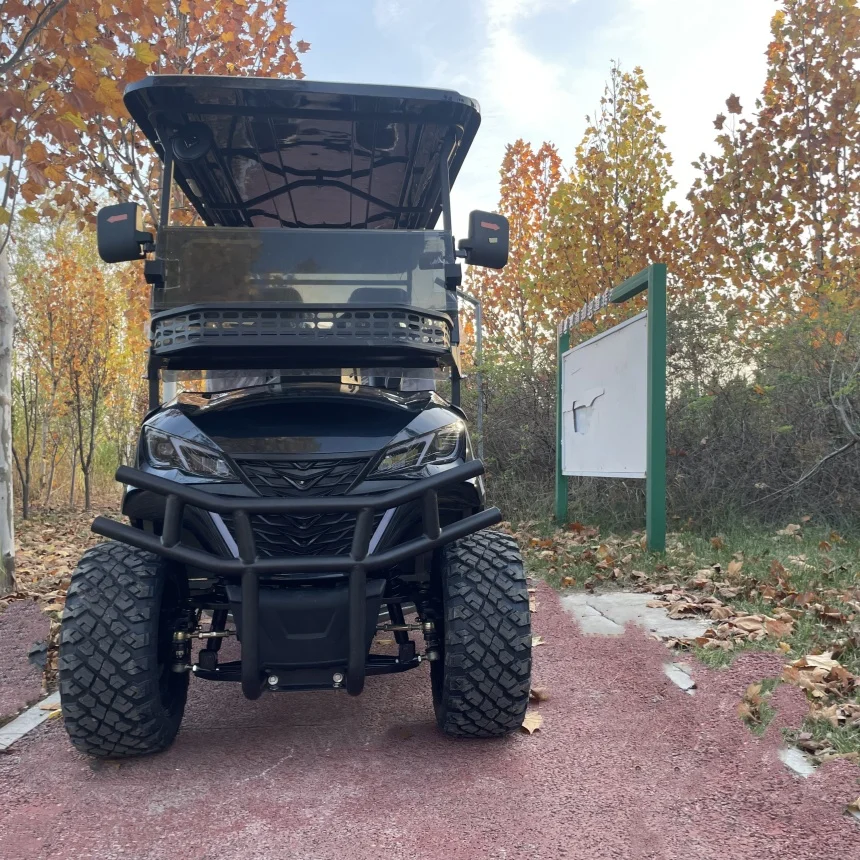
x=181 y=650
x=429 y=628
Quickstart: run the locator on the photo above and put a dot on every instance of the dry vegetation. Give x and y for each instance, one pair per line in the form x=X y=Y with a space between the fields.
x=794 y=591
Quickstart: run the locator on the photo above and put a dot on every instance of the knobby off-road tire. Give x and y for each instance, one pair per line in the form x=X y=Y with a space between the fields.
x=119 y=695
x=481 y=684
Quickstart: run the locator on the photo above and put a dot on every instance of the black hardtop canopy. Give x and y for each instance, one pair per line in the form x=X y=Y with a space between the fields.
x=263 y=152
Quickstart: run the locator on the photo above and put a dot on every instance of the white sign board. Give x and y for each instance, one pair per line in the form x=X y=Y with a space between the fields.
x=604 y=399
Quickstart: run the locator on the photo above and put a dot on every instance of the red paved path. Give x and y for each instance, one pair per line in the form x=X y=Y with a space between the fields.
x=627 y=766
x=22 y=624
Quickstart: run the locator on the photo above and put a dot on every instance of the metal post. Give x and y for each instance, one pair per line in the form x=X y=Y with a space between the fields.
x=166 y=186
x=655 y=468
x=479 y=360
x=152 y=381
x=445 y=194
x=560 y=478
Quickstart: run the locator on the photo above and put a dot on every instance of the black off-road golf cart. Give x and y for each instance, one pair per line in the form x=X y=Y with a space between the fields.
x=307 y=486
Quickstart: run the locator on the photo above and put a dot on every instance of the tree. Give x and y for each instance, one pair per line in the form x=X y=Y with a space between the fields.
x=7 y=502
x=610 y=217
x=513 y=298
x=65 y=63
x=92 y=328
x=64 y=135
x=776 y=211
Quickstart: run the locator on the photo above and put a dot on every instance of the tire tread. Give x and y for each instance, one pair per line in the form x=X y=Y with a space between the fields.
x=484 y=688
x=108 y=661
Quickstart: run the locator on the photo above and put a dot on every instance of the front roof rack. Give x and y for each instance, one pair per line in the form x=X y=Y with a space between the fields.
x=262 y=152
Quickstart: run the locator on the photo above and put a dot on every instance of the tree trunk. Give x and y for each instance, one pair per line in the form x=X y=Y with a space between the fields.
x=7 y=501
x=74 y=475
x=51 y=468
x=25 y=495
x=87 y=489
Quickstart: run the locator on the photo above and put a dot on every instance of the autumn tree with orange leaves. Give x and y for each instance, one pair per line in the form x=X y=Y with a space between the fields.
x=514 y=299
x=65 y=138
x=611 y=216
x=776 y=211
x=764 y=345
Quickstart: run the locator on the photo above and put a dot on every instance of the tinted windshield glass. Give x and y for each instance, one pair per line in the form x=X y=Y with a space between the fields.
x=361 y=267
x=398 y=379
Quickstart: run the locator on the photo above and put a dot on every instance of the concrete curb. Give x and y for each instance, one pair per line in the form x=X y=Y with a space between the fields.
x=29 y=720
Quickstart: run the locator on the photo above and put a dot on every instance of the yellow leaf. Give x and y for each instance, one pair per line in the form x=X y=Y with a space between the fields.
x=144 y=54
x=101 y=55
x=228 y=36
x=36 y=152
x=54 y=714
x=532 y=722
x=107 y=93
x=185 y=8
x=55 y=173
x=28 y=214
x=76 y=120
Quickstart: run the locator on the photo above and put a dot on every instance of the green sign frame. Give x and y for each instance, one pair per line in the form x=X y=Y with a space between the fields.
x=652 y=280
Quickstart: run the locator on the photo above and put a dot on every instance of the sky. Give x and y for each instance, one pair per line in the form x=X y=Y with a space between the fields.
x=538 y=67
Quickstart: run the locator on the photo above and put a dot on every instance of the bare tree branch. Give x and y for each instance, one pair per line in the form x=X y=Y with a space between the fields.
x=51 y=9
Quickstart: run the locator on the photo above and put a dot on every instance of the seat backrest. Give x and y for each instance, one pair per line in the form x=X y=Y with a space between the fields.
x=379 y=295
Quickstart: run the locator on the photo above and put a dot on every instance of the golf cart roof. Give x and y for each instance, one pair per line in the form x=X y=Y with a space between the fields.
x=264 y=152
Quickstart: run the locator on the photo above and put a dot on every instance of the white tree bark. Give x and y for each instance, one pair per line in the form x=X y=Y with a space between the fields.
x=7 y=503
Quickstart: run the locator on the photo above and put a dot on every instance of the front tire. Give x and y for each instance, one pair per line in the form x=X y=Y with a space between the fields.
x=481 y=683
x=120 y=697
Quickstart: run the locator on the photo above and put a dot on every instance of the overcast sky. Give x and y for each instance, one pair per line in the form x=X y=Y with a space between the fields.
x=537 y=67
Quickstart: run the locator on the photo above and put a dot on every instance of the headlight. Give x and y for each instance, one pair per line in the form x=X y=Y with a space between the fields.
x=171 y=452
x=440 y=446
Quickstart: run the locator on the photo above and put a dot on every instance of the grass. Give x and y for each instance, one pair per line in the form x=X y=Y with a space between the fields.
x=804 y=569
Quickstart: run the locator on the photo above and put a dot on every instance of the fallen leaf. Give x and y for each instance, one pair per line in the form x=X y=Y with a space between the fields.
x=531 y=722
x=818 y=661
x=790 y=530
x=538 y=694
x=537 y=640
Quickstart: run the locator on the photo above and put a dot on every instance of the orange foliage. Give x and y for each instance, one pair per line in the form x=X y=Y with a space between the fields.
x=63 y=67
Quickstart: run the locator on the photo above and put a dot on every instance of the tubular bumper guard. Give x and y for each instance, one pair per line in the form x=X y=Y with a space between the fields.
x=248 y=567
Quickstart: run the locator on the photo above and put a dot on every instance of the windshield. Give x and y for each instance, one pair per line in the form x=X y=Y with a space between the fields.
x=397 y=379
x=318 y=267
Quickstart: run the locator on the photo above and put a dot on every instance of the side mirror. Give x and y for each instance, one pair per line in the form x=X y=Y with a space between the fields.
x=120 y=233
x=488 y=240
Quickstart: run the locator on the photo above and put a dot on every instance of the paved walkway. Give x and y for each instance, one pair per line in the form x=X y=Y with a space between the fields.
x=627 y=765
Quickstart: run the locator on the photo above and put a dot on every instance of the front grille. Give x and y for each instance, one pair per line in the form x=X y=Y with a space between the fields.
x=296 y=534
x=298 y=478
x=279 y=535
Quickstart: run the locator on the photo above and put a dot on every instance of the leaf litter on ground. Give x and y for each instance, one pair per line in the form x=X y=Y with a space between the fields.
x=795 y=597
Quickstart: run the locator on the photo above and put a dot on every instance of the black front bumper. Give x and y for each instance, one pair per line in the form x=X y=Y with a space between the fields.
x=248 y=567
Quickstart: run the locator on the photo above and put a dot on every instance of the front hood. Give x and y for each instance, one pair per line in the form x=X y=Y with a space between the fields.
x=304 y=418
x=194 y=403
